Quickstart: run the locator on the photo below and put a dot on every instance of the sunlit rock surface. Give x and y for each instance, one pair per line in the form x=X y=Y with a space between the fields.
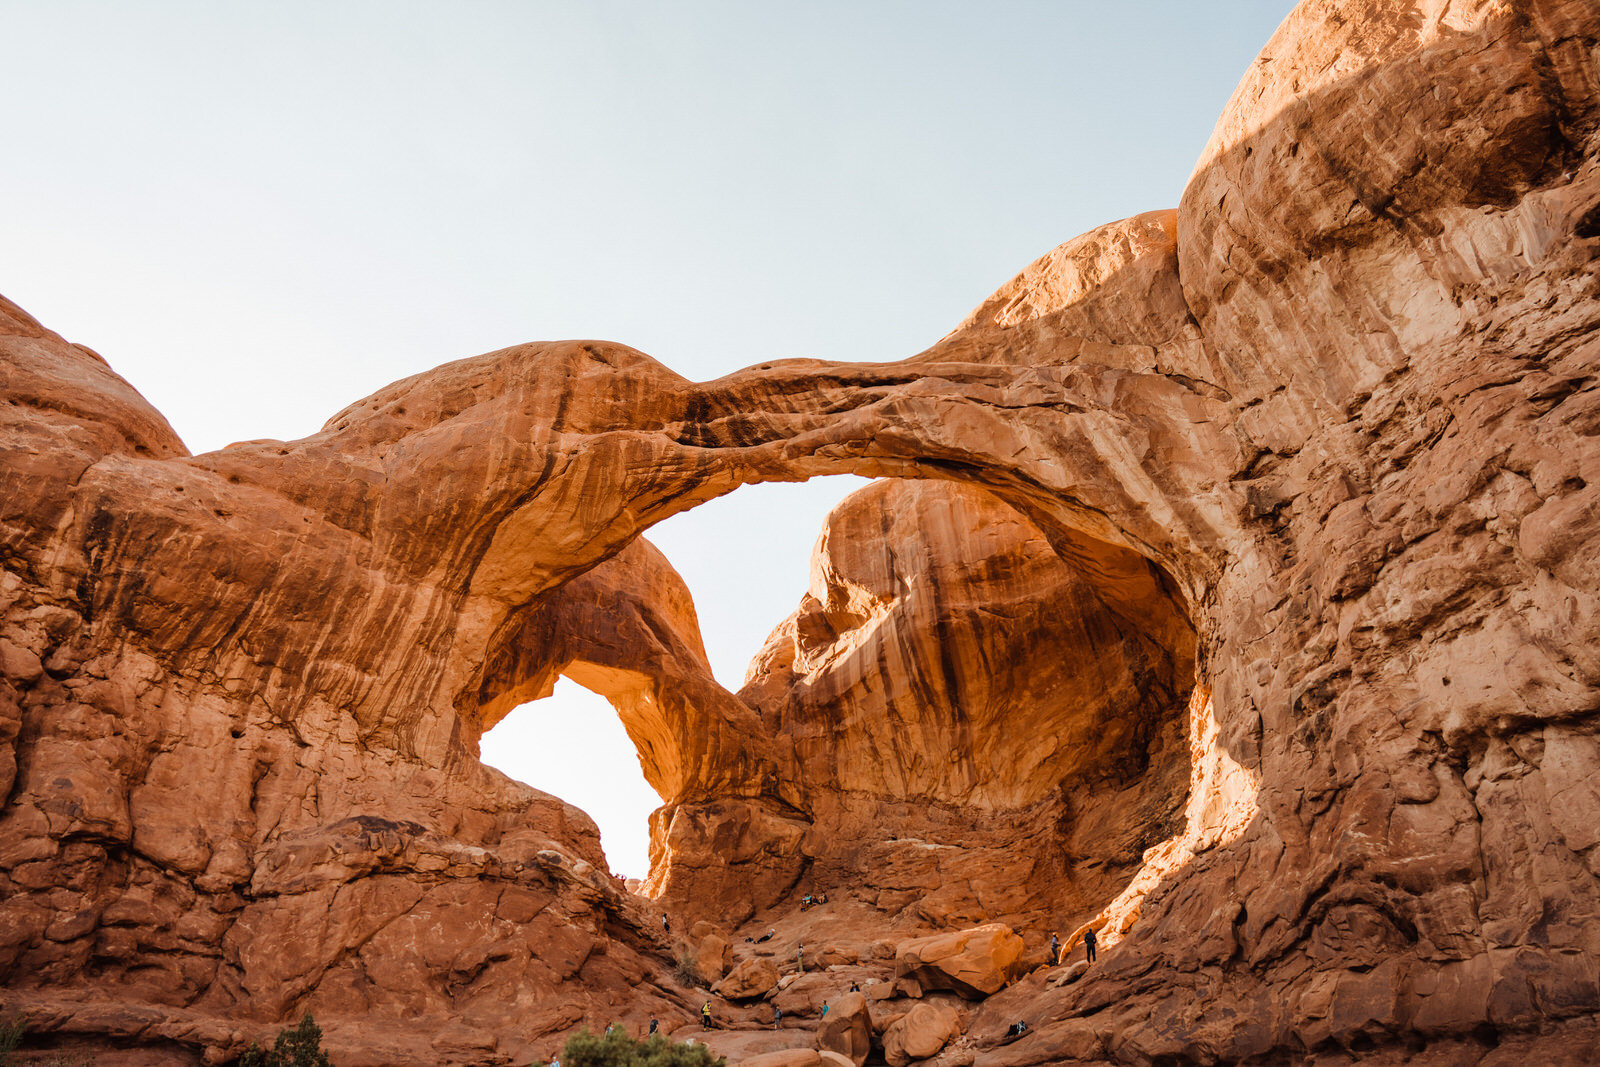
x=1339 y=408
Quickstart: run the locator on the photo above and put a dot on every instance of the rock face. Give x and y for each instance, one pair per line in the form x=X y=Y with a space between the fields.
x=1320 y=449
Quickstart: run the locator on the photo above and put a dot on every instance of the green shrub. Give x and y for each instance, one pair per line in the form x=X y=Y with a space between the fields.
x=300 y=1047
x=11 y=1034
x=685 y=971
x=10 y=1037
x=617 y=1049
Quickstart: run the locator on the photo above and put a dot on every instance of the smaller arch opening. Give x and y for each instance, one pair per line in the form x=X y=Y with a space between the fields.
x=572 y=745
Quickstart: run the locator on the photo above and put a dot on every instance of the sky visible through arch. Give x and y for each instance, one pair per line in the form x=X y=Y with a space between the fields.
x=261 y=213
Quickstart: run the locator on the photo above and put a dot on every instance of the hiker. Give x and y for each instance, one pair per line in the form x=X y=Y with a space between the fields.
x=653 y=1024
x=824 y=1014
x=1017 y=1029
x=666 y=925
x=1055 y=949
x=1089 y=943
x=800 y=955
x=855 y=987
x=777 y=1016
x=705 y=1016
x=764 y=938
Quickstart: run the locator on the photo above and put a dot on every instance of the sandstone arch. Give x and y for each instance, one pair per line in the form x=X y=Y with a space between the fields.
x=963 y=665
x=1343 y=397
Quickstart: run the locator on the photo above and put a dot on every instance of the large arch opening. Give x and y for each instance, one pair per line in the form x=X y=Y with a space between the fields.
x=965 y=719
x=1112 y=472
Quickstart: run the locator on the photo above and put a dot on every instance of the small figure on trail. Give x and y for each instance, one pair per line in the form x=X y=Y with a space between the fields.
x=824 y=1014
x=666 y=925
x=777 y=1017
x=653 y=1024
x=800 y=955
x=1017 y=1029
x=705 y=1016
x=765 y=937
x=1055 y=949
x=822 y=898
x=1089 y=940
x=855 y=987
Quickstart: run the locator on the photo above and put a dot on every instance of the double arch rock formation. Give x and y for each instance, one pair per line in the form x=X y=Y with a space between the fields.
x=1324 y=436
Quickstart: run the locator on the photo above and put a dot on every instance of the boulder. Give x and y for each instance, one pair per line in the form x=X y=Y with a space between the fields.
x=754 y=976
x=920 y=1033
x=975 y=963
x=713 y=957
x=847 y=1028
x=802 y=995
x=838 y=956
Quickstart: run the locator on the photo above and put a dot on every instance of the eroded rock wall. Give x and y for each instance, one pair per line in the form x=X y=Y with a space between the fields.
x=199 y=837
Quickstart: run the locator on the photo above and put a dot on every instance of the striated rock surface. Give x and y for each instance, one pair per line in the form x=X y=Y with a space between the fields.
x=946 y=652
x=1326 y=438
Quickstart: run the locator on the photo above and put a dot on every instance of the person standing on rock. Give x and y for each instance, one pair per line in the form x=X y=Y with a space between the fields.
x=1055 y=949
x=653 y=1024
x=1089 y=940
x=800 y=956
x=705 y=1016
x=665 y=926
x=777 y=1016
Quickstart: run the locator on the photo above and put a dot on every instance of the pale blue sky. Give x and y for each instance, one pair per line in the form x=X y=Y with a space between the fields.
x=261 y=212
